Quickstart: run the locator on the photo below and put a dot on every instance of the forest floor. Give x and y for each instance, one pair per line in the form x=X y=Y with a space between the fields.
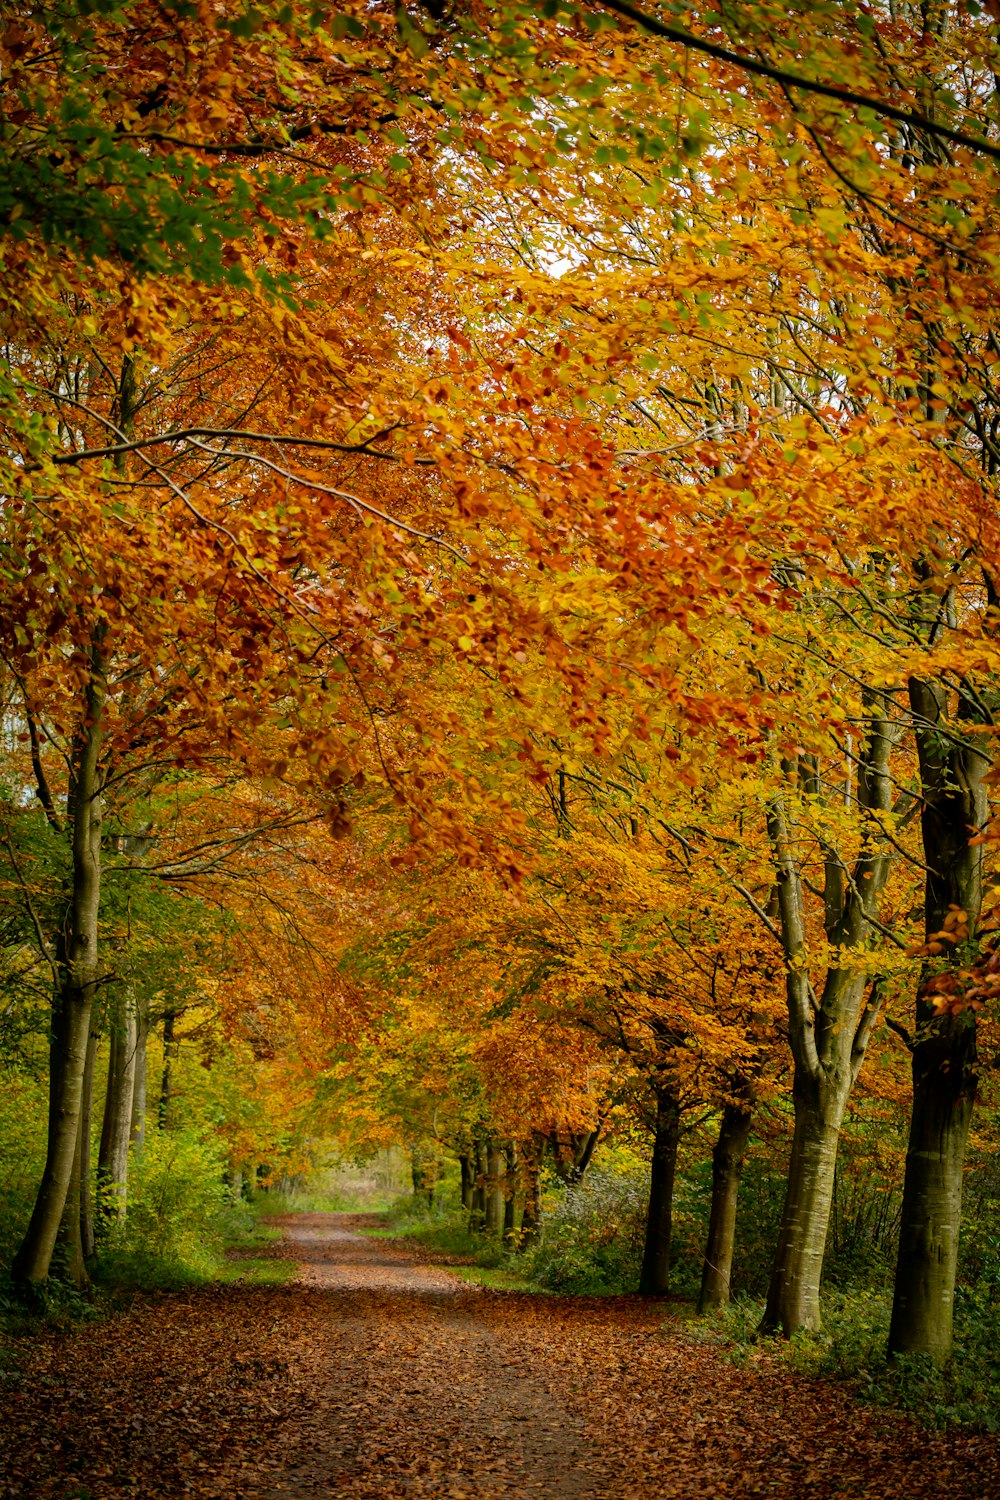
x=376 y=1374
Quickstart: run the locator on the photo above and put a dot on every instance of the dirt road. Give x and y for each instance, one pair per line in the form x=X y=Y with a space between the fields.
x=438 y=1388
x=377 y=1375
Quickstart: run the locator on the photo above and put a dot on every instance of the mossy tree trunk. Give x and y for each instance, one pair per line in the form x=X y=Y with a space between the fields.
x=465 y=1167
x=494 y=1190
x=727 y=1166
x=531 y=1216
x=87 y=1235
x=954 y=810
x=112 y=1159
x=76 y=963
x=137 y=1125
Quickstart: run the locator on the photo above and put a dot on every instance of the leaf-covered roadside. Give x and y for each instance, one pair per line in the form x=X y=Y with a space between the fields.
x=174 y=1394
x=376 y=1376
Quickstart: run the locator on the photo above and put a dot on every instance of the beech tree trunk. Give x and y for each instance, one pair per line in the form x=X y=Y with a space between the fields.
x=793 y=1293
x=531 y=1216
x=465 y=1166
x=654 y=1278
x=953 y=810
x=112 y=1160
x=166 y=1081
x=727 y=1165
x=137 y=1128
x=76 y=965
x=510 y=1194
x=86 y=1127
x=478 y=1216
x=494 y=1192
x=69 y=1260
x=828 y=1033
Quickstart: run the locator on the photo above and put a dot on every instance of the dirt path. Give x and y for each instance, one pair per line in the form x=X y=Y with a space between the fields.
x=423 y=1396
x=435 y=1387
x=377 y=1375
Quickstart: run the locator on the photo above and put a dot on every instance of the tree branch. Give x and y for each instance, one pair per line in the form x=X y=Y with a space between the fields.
x=912 y=117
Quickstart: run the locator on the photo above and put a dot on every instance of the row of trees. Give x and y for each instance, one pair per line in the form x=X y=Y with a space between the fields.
x=500 y=509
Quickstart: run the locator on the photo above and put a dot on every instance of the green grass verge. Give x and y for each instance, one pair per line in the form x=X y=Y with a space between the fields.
x=499 y=1278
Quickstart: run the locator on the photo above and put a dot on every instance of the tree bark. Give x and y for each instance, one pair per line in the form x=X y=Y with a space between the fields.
x=69 y=1260
x=828 y=1034
x=76 y=962
x=112 y=1160
x=86 y=1126
x=531 y=1216
x=954 y=808
x=654 y=1278
x=137 y=1127
x=170 y=1046
x=494 y=1192
x=478 y=1216
x=793 y=1293
x=510 y=1194
x=465 y=1166
x=727 y=1165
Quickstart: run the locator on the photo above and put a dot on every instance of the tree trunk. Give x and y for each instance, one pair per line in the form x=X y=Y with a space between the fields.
x=793 y=1293
x=112 y=1160
x=170 y=1046
x=478 y=1216
x=531 y=1218
x=69 y=1259
x=76 y=960
x=654 y=1278
x=86 y=1127
x=137 y=1127
x=828 y=1033
x=953 y=810
x=494 y=1192
x=944 y=1086
x=465 y=1165
x=509 y=1195
x=727 y=1165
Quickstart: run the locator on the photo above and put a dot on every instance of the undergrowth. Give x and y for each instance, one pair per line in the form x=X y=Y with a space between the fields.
x=443 y=1229
x=962 y=1392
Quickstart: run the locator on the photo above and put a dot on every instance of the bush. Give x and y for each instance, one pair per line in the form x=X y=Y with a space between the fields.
x=180 y=1215
x=592 y=1234
x=443 y=1228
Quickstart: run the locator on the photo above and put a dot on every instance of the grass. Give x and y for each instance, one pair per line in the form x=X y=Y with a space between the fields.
x=500 y=1278
x=227 y=1257
x=446 y=1233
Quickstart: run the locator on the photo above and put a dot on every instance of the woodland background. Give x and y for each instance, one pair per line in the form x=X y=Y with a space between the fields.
x=498 y=648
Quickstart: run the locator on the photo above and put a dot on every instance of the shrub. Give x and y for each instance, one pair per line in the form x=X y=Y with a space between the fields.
x=592 y=1234
x=962 y=1392
x=180 y=1214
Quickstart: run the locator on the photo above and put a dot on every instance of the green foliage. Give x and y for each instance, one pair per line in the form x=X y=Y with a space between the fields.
x=442 y=1228
x=23 y=1105
x=963 y=1392
x=592 y=1234
x=180 y=1215
x=273 y=1202
x=864 y=1218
